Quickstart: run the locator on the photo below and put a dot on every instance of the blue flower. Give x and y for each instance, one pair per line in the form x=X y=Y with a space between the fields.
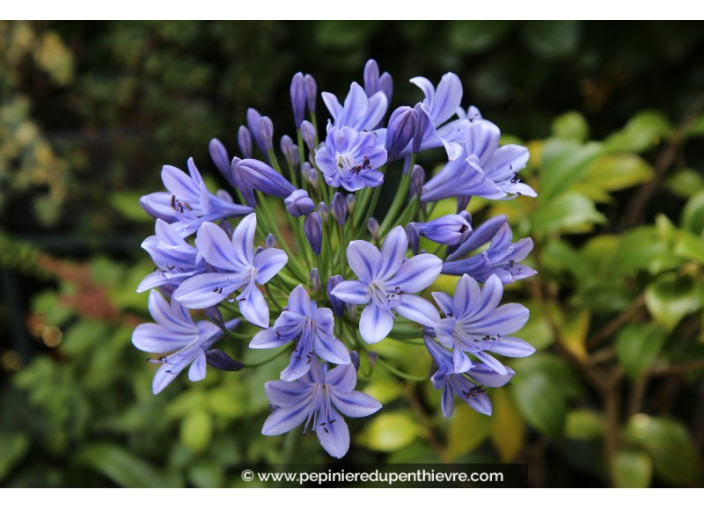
x=443 y=102
x=461 y=177
x=319 y=399
x=500 y=164
x=350 y=159
x=450 y=230
x=470 y=386
x=502 y=258
x=310 y=328
x=175 y=331
x=175 y=259
x=387 y=281
x=188 y=203
x=473 y=324
x=359 y=111
x=235 y=267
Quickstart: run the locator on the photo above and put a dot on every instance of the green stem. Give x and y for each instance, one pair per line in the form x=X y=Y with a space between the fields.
x=272 y=358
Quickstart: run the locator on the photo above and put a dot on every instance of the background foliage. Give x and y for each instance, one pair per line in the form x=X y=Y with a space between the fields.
x=613 y=116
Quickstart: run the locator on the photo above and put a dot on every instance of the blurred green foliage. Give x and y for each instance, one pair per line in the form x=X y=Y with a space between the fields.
x=614 y=395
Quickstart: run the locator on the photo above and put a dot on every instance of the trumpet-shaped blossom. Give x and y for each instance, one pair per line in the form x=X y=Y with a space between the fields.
x=318 y=400
x=175 y=331
x=359 y=111
x=502 y=258
x=310 y=328
x=474 y=323
x=188 y=203
x=470 y=386
x=350 y=159
x=175 y=260
x=449 y=230
x=387 y=281
x=443 y=102
x=461 y=177
x=235 y=267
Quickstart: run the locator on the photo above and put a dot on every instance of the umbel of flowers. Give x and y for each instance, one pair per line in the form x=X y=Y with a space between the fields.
x=344 y=279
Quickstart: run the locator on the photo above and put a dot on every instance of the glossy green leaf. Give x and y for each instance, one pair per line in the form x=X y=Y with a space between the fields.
x=693 y=214
x=637 y=346
x=562 y=163
x=571 y=126
x=671 y=297
x=540 y=401
x=641 y=133
x=670 y=446
x=632 y=470
x=686 y=182
x=570 y=212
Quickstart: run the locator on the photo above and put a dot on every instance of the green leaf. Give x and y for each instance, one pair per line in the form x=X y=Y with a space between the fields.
x=570 y=212
x=562 y=163
x=669 y=445
x=641 y=133
x=637 y=345
x=552 y=39
x=121 y=466
x=127 y=204
x=685 y=183
x=584 y=425
x=390 y=432
x=671 y=297
x=540 y=401
x=196 y=430
x=475 y=36
x=468 y=430
x=571 y=126
x=636 y=251
x=693 y=214
x=508 y=430
x=632 y=470
x=12 y=450
x=619 y=171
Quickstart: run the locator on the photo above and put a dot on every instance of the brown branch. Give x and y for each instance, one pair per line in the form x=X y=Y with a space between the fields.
x=612 y=327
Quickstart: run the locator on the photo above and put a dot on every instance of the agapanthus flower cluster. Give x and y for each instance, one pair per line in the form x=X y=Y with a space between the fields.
x=294 y=248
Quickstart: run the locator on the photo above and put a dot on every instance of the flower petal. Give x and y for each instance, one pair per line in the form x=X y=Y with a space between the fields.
x=243 y=240
x=416 y=273
x=331 y=349
x=393 y=253
x=485 y=376
x=334 y=436
x=287 y=394
x=267 y=339
x=197 y=370
x=418 y=310
x=364 y=259
x=284 y=419
x=268 y=263
x=215 y=247
x=375 y=324
x=355 y=404
x=254 y=308
x=505 y=320
x=513 y=347
x=342 y=378
x=354 y=293
x=208 y=289
x=157 y=339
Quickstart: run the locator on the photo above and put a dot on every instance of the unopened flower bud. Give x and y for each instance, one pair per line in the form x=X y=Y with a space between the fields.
x=339 y=208
x=270 y=241
x=226 y=227
x=244 y=140
x=315 y=279
x=289 y=150
x=298 y=98
x=266 y=131
x=373 y=227
x=299 y=203
x=313 y=229
x=308 y=134
x=311 y=92
x=402 y=127
x=338 y=306
x=219 y=155
x=324 y=211
x=417 y=180
x=351 y=202
x=413 y=233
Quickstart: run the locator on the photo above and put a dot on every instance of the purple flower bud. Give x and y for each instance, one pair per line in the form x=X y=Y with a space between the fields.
x=417 y=180
x=221 y=361
x=462 y=203
x=351 y=201
x=213 y=313
x=270 y=241
x=289 y=150
x=324 y=211
x=310 y=174
x=226 y=227
x=315 y=279
x=400 y=131
x=244 y=140
x=352 y=310
x=386 y=85
x=421 y=128
x=371 y=77
x=259 y=250
x=266 y=130
x=413 y=233
x=298 y=98
x=262 y=177
x=241 y=184
x=373 y=227
x=450 y=230
x=339 y=208
x=308 y=134
x=254 y=123
x=372 y=357
x=311 y=92
x=313 y=228
x=354 y=356
x=338 y=306
x=218 y=154
x=299 y=203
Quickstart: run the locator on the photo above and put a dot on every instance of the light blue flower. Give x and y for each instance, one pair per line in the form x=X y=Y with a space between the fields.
x=475 y=323
x=175 y=260
x=461 y=177
x=175 y=331
x=502 y=258
x=319 y=399
x=188 y=203
x=470 y=386
x=311 y=328
x=235 y=267
x=450 y=230
x=359 y=111
x=350 y=159
x=387 y=281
